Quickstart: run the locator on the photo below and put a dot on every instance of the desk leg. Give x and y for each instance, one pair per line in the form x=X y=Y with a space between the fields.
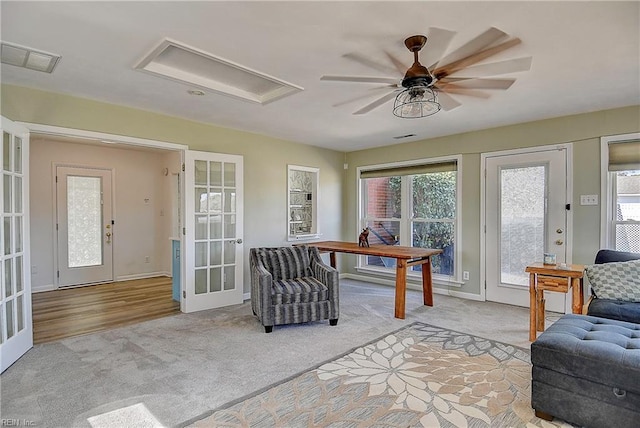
x=532 y=307
x=332 y=259
x=401 y=287
x=427 y=284
x=577 y=294
x=540 y=304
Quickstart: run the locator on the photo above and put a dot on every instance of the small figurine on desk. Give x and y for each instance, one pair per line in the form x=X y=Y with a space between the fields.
x=363 y=239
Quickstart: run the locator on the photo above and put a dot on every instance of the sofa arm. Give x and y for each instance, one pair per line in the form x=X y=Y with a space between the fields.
x=324 y=273
x=261 y=284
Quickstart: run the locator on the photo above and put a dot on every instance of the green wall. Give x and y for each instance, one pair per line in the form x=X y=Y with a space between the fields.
x=583 y=130
x=266 y=159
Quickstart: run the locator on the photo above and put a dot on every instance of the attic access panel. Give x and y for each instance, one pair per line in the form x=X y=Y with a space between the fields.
x=195 y=67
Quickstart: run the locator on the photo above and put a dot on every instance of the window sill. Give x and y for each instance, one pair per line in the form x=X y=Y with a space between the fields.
x=413 y=277
x=307 y=237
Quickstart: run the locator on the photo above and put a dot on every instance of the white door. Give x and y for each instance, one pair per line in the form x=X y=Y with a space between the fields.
x=526 y=216
x=16 y=330
x=84 y=224
x=213 y=231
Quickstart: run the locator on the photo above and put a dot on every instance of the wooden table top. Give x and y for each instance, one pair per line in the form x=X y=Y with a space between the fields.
x=573 y=271
x=395 y=251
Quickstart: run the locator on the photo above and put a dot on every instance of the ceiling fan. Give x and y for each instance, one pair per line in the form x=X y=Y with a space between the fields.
x=421 y=91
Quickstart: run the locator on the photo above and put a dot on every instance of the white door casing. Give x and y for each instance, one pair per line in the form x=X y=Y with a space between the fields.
x=16 y=328
x=213 y=262
x=525 y=213
x=85 y=233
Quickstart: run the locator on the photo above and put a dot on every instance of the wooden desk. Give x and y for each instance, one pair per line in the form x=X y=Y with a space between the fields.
x=405 y=257
x=552 y=278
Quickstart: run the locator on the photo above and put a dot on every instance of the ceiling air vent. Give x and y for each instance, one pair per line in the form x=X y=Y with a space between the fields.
x=33 y=59
x=209 y=72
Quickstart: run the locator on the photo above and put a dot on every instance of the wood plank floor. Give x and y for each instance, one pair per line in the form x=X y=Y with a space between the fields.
x=71 y=312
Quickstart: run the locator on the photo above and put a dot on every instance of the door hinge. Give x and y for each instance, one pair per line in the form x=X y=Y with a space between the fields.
x=58 y=274
x=567 y=207
x=485 y=285
x=56 y=178
x=485 y=173
x=485 y=228
x=182 y=167
x=184 y=230
x=56 y=227
x=184 y=294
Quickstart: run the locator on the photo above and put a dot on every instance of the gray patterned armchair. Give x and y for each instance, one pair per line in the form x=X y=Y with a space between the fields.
x=292 y=285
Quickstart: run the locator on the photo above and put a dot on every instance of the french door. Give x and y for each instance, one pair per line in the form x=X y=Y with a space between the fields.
x=16 y=331
x=84 y=224
x=526 y=216
x=213 y=231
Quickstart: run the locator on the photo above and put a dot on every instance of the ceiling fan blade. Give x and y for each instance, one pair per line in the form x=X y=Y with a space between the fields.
x=446 y=101
x=452 y=67
x=496 y=68
x=376 y=103
x=400 y=67
x=369 y=94
x=438 y=41
x=362 y=79
x=470 y=83
x=452 y=89
x=372 y=64
x=480 y=42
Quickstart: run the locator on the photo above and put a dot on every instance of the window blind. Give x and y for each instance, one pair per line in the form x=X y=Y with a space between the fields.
x=624 y=156
x=410 y=170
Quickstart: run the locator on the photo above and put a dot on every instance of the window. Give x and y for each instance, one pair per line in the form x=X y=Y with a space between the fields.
x=302 y=202
x=413 y=205
x=621 y=189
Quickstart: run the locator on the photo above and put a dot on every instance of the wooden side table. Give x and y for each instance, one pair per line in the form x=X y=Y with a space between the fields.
x=552 y=278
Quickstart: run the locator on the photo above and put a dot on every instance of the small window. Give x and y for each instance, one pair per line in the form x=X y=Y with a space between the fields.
x=621 y=188
x=302 y=202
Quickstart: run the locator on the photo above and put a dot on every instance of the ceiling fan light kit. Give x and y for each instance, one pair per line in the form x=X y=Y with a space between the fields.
x=416 y=101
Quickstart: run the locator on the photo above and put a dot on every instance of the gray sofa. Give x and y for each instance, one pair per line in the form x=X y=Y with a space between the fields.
x=614 y=309
x=292 y=285
x=586 y=368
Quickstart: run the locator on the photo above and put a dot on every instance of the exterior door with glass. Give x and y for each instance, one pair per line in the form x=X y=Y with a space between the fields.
x=16 y=330
x=526 y=216
x=84 y=225
x=213 y=231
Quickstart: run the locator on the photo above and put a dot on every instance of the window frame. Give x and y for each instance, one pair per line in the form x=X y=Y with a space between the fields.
x=608 y=190
x=406 y=219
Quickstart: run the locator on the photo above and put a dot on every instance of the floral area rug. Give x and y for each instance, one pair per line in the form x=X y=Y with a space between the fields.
x=419 y=376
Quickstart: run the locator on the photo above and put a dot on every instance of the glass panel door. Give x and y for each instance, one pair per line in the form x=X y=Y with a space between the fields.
x=525 y=215
x=85 y=229
x=213 y=250
x=16 y=333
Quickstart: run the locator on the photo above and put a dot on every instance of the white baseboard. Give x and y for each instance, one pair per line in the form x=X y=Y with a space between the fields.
x=42 y=288
x=411 y=286
x=142 y=276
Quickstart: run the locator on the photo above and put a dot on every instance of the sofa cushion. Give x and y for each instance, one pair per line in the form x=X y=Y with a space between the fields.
x=615 y=310
x=616 y=280
x=299 y=290
x=286 y=262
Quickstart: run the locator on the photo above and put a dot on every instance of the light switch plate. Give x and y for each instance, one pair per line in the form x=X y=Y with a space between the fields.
x=588 y=199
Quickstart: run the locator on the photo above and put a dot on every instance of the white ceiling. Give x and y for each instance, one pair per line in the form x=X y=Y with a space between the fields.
x=586 y=57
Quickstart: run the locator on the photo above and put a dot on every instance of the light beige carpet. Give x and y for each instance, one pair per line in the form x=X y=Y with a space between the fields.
x=420 y=375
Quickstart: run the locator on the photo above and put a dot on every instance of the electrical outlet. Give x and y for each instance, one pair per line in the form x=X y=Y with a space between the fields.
x=465 y=275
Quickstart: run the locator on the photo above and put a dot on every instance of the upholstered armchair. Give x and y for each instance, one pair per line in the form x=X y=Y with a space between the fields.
x=292 y=285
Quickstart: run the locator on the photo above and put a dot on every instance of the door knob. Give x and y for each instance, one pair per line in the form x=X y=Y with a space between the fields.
x=559 y=230
x=559 y=242
x=239 y=240
x=108 y=237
